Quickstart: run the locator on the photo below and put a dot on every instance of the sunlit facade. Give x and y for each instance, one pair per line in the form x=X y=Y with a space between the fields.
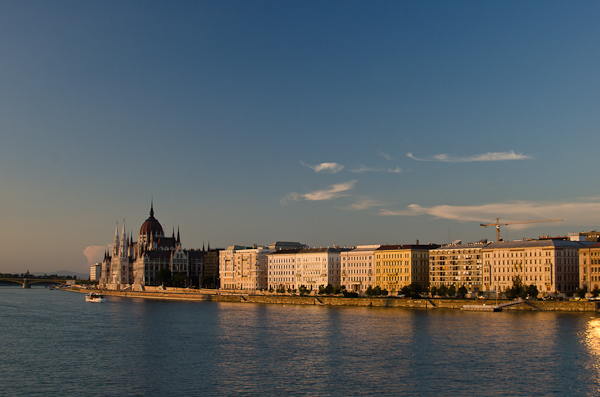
x=358 y=268
x=589 y=266
x=552 y=265
x=460 y=265
x=399 y=265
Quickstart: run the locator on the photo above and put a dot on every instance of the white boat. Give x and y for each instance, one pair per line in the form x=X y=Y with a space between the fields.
x=94 y=297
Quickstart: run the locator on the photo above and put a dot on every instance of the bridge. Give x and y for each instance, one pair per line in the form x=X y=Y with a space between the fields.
x=26 y=282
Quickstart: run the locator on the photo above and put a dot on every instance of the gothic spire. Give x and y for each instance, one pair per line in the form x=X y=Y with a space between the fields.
x=178 y=239
x=152 y=207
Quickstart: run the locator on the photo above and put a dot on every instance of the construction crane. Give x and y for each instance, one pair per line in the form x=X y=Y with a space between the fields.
x=498 y=223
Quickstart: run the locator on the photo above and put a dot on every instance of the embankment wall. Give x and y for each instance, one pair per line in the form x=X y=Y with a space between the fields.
x=219 y=296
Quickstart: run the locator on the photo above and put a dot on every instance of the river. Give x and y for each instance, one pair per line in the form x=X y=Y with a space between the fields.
x=53 y=342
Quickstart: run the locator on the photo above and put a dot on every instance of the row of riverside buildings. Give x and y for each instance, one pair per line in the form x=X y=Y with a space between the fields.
x=558 y=264
x=551 y=264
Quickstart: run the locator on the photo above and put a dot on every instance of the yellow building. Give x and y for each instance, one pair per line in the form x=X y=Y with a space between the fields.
x=400 y=265
x=589 y=267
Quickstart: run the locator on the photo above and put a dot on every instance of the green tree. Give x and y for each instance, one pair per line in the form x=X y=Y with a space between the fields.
x=462 y=291
x=532 y=291
x=451 y=290
x=595 y=292
x=164 y=276
x=581 y=292
x=433 y=291
x=303 y=290
x=442 y=291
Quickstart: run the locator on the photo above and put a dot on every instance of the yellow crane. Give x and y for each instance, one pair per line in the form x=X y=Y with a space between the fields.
x=498 y=223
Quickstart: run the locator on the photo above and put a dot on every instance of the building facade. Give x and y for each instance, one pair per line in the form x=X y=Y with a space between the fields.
x=283 y=272
x=243 y=268
x=399 y=265
x=319 y=267
x=95 y=271
x=589 y=267
x=358 y=268
x=458 y=265
x=247 y=268
x=552 y=265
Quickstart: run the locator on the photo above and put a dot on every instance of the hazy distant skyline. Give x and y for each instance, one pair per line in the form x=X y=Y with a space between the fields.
x=321 y=122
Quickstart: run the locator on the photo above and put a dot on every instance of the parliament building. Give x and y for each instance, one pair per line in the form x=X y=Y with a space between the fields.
x=132 y=265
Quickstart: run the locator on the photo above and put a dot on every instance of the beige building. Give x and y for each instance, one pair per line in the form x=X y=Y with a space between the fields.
x=552 y=265
x=243 y=268
x=358 y=268
x=246 y=268
x=400 y=265
x=458 y=265
x=589 y=267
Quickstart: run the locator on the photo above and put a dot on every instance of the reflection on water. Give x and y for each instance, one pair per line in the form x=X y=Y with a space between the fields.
x=55 y=341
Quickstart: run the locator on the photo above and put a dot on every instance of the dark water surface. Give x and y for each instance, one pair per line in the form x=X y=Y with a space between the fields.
x=55 y=343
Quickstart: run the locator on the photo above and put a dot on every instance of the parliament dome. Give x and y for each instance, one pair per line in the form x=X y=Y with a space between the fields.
x=151 y=226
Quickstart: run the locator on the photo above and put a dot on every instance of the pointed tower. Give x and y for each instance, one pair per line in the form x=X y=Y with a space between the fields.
x=178 y=239
x=115 y=250
x=123 y=247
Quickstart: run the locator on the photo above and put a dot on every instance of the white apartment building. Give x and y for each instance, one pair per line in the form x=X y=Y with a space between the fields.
x=247 y=268
x=95 y=271
x=282 y=270
x=358 y=268
x=318 y=267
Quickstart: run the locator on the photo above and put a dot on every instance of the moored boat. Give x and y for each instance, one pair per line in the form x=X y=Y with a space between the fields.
x=94 y=297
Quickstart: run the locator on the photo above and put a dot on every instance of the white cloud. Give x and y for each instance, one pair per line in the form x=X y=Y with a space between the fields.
x=333 y=192
x=386 y=156
x=331 y=168
x=363 y=169
x=95 y=253
x=490 y=156
x=362 y=204
x=583 y=211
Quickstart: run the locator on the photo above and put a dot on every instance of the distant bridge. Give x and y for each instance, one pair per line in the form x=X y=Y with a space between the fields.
x=26 y=282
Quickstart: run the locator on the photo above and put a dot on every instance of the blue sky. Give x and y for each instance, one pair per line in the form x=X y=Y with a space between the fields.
x=321 y=122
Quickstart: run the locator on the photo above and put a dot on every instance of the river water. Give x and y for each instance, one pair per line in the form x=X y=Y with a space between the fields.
x=53 y=342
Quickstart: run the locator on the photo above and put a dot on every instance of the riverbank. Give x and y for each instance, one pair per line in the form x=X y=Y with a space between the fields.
x=219 y=296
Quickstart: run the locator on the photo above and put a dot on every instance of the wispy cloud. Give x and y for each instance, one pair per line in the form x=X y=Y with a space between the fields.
x=490 y=156
x=386 y=156
x=334 y=191
x=363 y=169
x=362 y=204
x=583 y=211
x=331 y=168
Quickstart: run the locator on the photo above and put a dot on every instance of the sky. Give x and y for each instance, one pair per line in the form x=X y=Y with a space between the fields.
x=249 y=122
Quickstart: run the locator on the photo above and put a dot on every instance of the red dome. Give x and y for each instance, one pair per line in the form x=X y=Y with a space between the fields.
x=151 y=226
